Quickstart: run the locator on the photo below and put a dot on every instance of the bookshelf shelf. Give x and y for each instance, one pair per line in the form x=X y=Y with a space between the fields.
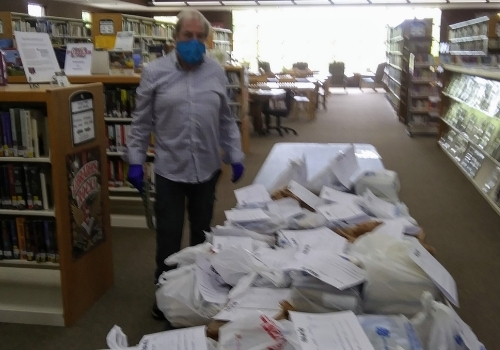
x=118 y=120
x=25 y=160
x=59 y=293
x=44 y=213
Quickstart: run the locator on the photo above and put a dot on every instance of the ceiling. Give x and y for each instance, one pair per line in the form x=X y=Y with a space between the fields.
x=172 y=5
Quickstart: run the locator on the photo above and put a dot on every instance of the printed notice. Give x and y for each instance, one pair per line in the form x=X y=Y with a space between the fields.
x=38 y=57
x=339 y=331
x=78 y=59
x=82 y=117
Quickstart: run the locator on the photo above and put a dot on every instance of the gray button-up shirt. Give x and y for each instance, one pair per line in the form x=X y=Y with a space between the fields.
x=189 y=115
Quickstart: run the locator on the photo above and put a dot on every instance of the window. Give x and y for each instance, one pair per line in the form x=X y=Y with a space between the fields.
x=86 y=16
x=36 y=10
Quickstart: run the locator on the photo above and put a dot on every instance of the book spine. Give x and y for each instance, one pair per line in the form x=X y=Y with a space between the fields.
x=6 y=241
x=16 y=253
x=29 y=191
x=41 y=252
x=4 y=134
x=12 y=185
x=20 y=145
x=2 y=139
x=43 y=187
x=21 y=237
x=15 y=149
x=34 y=135
x=30 y=240
x=118 y=137
x=19 y=185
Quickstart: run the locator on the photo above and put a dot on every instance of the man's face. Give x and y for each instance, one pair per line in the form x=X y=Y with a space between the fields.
x=192 y=29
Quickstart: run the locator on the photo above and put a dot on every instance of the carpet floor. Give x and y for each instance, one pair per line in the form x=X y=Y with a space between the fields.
x=459 y=223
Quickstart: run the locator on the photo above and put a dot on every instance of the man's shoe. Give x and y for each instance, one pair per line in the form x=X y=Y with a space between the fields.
x=157 y=314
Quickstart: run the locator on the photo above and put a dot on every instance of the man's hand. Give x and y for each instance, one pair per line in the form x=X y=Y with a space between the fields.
x=238 y=170
x=135 y=176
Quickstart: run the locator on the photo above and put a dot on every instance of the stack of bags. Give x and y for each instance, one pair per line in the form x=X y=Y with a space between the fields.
x=296 y=270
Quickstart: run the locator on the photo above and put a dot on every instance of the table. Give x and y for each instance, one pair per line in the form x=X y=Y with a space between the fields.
x=258 y=97
x=317 y=156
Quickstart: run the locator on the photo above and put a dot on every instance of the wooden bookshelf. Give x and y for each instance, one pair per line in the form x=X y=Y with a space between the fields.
x=59 y=294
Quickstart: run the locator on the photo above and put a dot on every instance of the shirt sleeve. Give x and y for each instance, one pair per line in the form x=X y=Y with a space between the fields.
x=230 y=137
x=142 y=120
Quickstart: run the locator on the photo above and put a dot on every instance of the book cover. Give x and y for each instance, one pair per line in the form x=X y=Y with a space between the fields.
x=13 y=125
x=16 y=252
x=40 y=251
x=19 y=187
x=21 y=237
x=29 y=239
x=6 y=241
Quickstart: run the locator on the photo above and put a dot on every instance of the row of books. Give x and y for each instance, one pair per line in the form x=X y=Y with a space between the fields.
x=29 y=239
x=23 y=133
x=117 y=135
x=166 y=31
x=52 y=28
x=120 y=103
x=118 y=169
x=24 y=186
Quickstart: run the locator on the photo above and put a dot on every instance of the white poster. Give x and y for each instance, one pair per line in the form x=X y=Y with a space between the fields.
x=78 y=59
x=38 y=57
x=82 y=117
x=124 y=41
x=106 y=26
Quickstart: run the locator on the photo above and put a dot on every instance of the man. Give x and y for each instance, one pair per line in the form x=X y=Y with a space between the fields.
x=182 y=100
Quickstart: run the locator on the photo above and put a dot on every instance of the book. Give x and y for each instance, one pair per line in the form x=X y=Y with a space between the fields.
x=19 y=187
x=6 y=241
x=14 y=239
x=20 y=221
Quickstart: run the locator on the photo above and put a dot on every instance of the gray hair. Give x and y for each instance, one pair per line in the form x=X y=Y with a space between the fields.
x=192 y=14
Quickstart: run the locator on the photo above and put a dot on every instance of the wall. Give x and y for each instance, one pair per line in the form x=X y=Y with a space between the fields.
x=454 y=16
x=52 y=8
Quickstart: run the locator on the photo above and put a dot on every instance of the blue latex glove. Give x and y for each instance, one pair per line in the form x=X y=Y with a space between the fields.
x=238 y=170
x=135 y=176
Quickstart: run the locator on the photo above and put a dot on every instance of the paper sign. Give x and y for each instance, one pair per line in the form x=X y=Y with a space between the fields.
x=223 y=242
x=332 y=269
x=38 y=57
x=124 y=41
x=193 y=338
x=339 y=331
x=210 y=285
x=246 y=215
x=106 y=26
x=82 y=117
x=253 y=194
x=304 y=194
x=78 y=59
x=345 y=165
x=436 y=272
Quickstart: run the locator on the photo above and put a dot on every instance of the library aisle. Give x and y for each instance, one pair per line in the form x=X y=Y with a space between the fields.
x=462 y=227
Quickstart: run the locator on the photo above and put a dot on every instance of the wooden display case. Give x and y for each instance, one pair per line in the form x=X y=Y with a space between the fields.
x=51 y=293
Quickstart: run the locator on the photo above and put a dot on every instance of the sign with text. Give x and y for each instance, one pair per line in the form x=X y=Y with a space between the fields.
x=82 y=117
x=78 y=59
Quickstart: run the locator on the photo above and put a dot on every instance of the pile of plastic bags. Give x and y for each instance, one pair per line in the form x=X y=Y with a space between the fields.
x=336 y=259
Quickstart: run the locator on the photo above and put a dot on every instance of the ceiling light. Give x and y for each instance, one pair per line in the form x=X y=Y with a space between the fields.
x=312 y=2
x=201 y=3
x=348 y=2
x=389 y=1
x=275 y=3
x=426 y=1
x=169 y=3
x=239 y=3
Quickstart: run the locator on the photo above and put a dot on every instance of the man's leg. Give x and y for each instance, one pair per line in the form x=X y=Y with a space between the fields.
x=201 y=199
x=169 y=212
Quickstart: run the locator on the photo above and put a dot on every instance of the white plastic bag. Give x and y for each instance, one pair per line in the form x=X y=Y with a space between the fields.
x=180 y=300
x=116 y=339
x=394 y=283
x=440 y=328
x=257 y=333
x=187 y=256
x=383 y=183
x=390 y=332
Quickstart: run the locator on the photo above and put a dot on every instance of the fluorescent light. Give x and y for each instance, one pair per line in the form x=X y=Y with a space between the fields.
x=275 y=3
x=455 y=1
x=389 y=1
x=239 y=2
x=312 y=2
x=348 y=2
x=169 y=3
x=426 y=1
x=201 y=3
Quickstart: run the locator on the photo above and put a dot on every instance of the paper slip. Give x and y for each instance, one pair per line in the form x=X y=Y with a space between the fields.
x=436 y=272
x=345 y=165
x=245 y=215
x=261 y=297
x=304 y=194
x=193 y=338
x=223 y=242
x=310 y=241
x=284 y=208
x=124 y=41
x=277 y=259
x=332 y=269
x=393 y=228
x=338 y=196
x=341 y=212
x=379 y=207
x=339 y=331
x=253 y=194
x=234 y=313
x=210 y=285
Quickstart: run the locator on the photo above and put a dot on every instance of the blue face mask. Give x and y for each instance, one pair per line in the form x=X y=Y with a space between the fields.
x=191 y=51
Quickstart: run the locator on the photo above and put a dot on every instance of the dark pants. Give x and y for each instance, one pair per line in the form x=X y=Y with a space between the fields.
x=169 y=210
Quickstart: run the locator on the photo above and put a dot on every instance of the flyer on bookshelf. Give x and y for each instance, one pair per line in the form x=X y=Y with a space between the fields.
x=38 y=56
x=84 y=180
x=78 y=59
